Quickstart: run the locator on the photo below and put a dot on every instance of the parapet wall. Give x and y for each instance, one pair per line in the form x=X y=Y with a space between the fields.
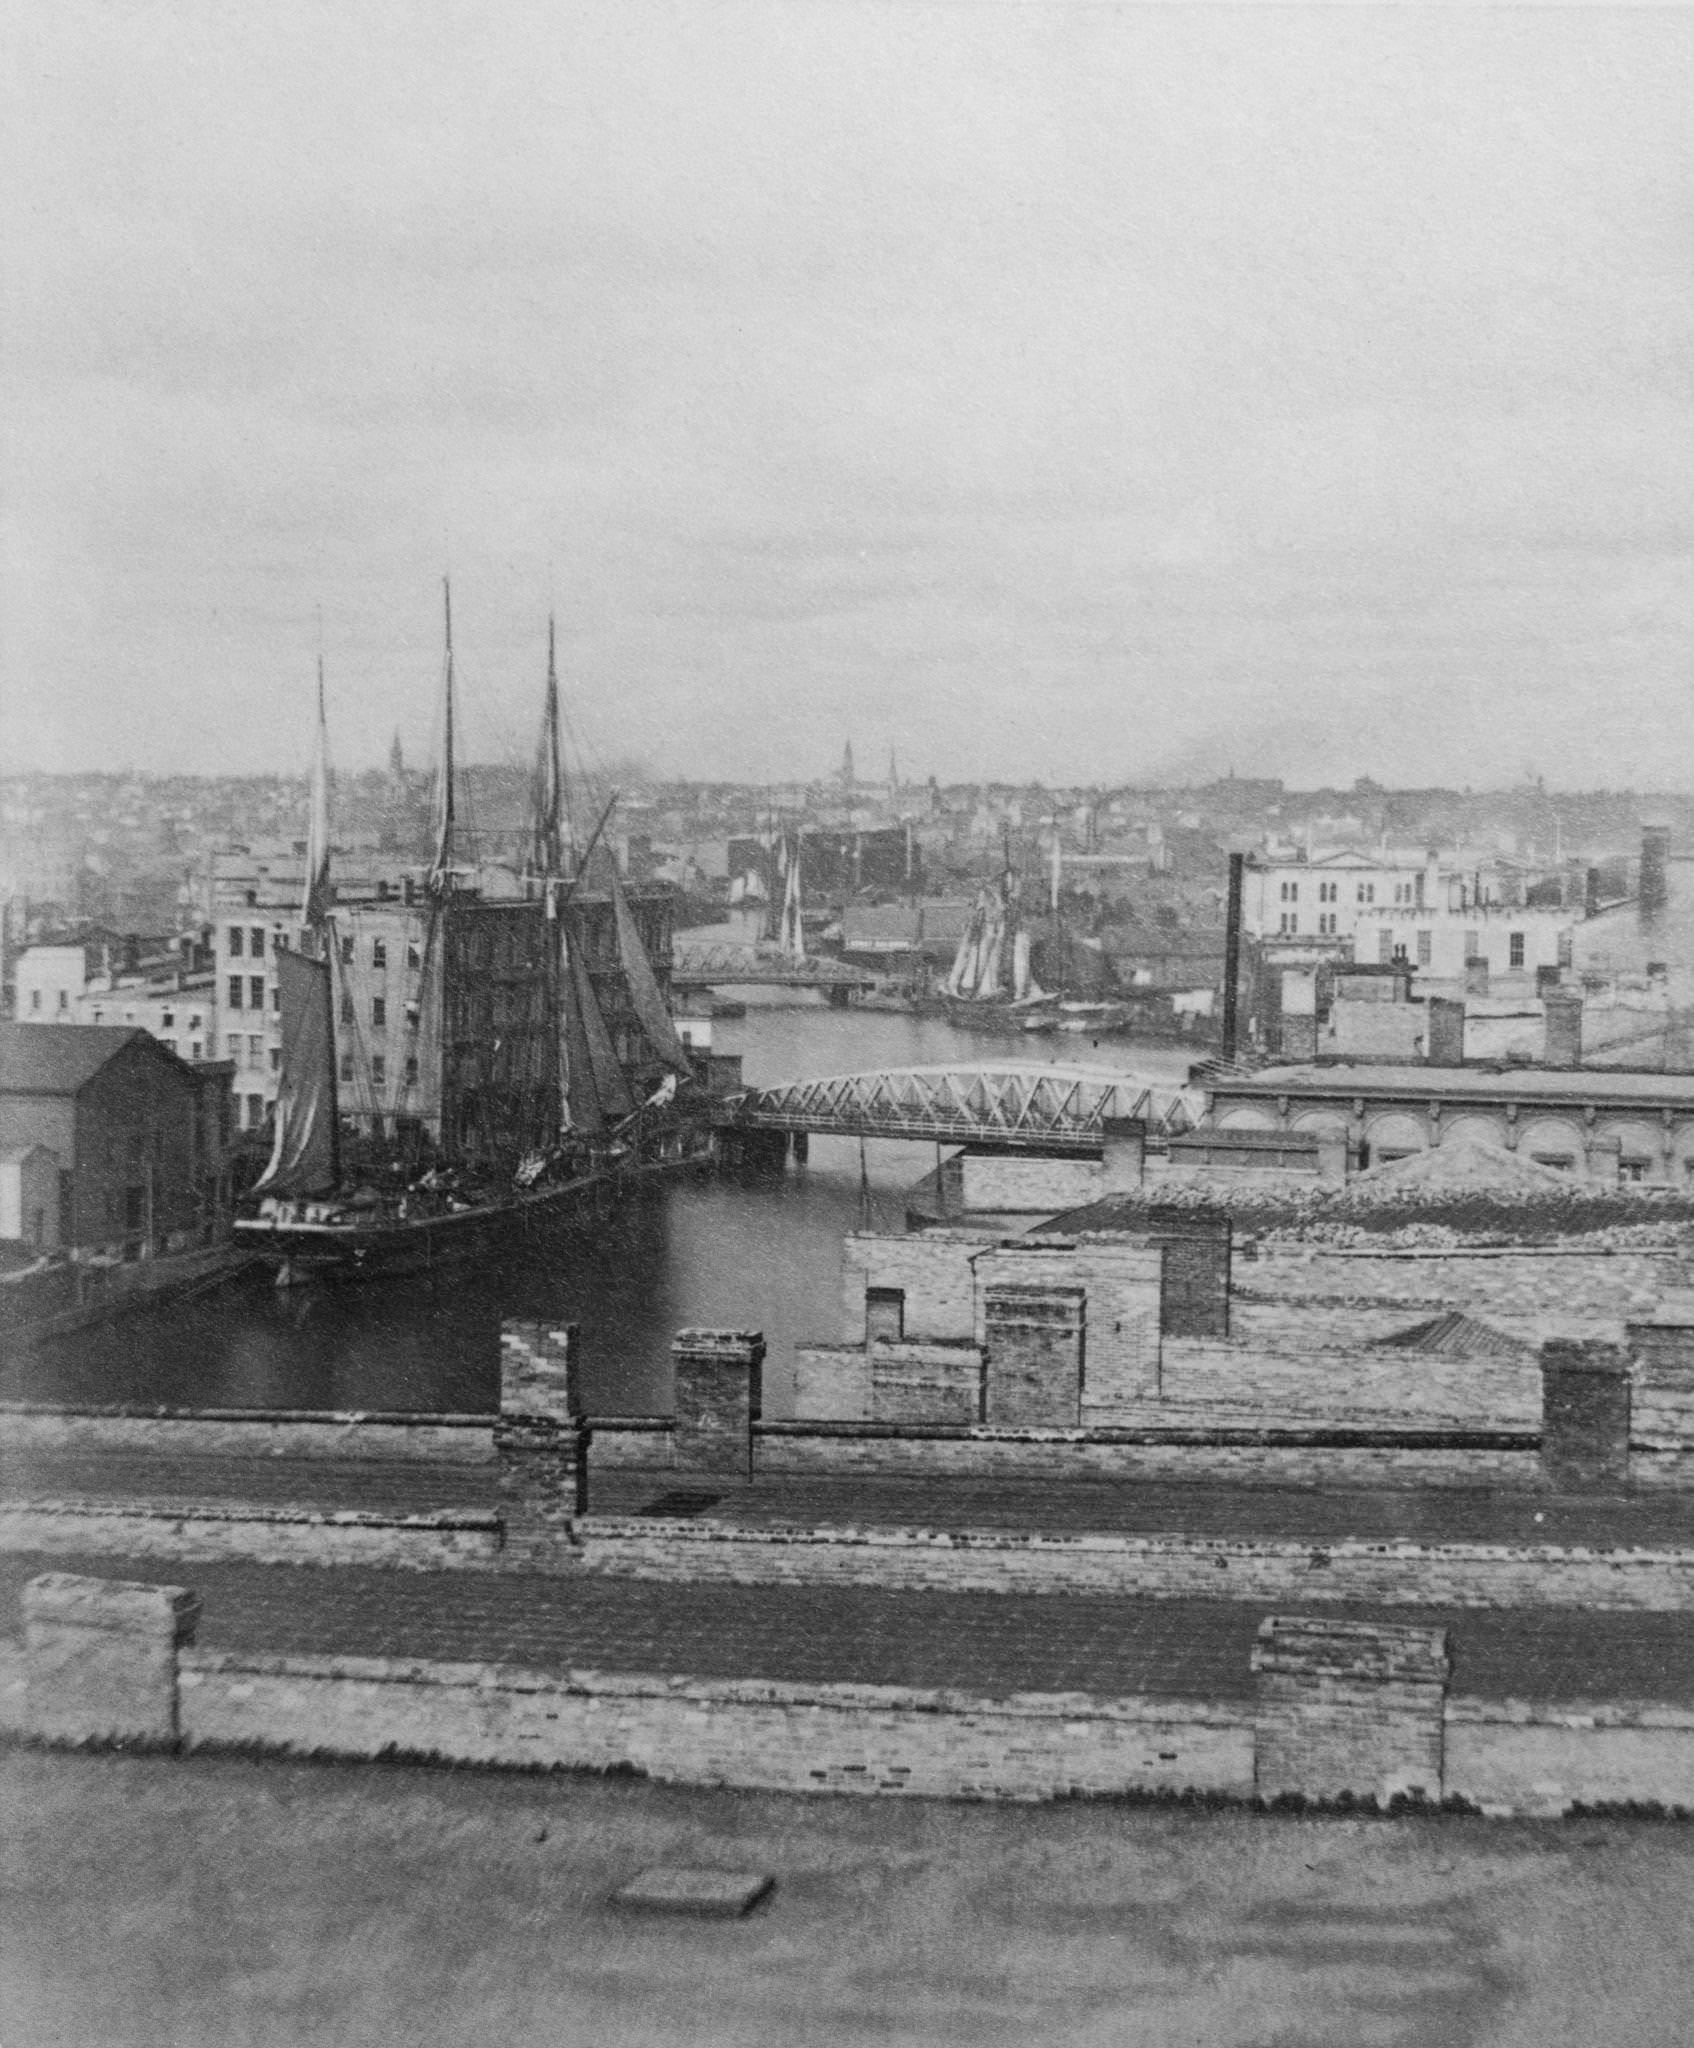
x=249 y=1432
x=1335 y=1711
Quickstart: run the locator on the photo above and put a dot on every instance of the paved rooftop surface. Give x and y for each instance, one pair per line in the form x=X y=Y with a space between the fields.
x=990 y=1644
x=1061 y=1506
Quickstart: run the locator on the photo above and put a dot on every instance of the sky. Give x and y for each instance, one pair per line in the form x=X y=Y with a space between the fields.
x=1082 y=393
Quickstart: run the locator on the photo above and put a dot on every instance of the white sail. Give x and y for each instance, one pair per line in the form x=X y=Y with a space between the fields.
x=792 y=937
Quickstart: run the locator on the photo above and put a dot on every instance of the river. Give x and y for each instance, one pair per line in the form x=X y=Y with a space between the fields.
x=719 y=1251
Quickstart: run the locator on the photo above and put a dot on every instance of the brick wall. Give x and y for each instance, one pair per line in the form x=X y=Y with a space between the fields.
x=1348 y=1707
x=933 y=1270
x=1122 y=1282
x=758 y=1735
x=261 y=1535
x=1529 y=1294
x=925 y=1382
x=305 y=1433
x=1200 y=1454
x=1357 y=1381
x=1145 y=1567
x=1026 y=1184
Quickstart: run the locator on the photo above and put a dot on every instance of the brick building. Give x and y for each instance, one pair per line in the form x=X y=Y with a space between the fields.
x=141 y=1136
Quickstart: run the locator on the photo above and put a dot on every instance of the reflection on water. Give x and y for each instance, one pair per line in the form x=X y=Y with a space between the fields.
x=759 y=1252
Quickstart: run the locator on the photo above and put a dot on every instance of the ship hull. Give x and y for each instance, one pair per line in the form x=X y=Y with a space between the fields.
x=383 y=1247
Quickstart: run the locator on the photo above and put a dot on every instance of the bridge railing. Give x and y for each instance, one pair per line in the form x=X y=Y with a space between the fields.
x=1021 y=1106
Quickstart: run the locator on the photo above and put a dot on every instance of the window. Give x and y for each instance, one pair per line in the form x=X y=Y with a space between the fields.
x=276 y=1059
x=347 y=1066
x=99 y=1016
x=237 y=939
x=235 y=992
x=379 y=952
x=885 y=1314
x=167 y=1020
x=194 y=1049
x=196 y=1022
x=256 y=942
x=1290 y=923
x=1367 y=892
x=414 y=959
x=1426 y=948
x=255 y=1048
x=379 y=1070
x=1326 y=924
x=1385 y=948
x=232 y=1046
x=255 y=1111
x=1514 y=942
x=276 y=997
x=1473 y=945
x=346 y=1007
x=35 y=999
x=411 y=1070
x=255 y=991
x=379 y=1014
x=171 y=1043
x=346 y=952
x=64 y=999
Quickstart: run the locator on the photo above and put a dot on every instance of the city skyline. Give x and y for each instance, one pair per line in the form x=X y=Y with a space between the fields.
x=1085 y=395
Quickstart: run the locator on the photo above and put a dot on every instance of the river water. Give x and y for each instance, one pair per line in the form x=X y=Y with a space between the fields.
x=725 y=1251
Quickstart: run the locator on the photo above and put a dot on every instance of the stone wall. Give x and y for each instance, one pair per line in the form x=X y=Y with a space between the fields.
x=1122 y=1283
x=1025 y=1183
x=1343 y=1712
x=1529 y=1294
x=261 y=1535
x=259 y=1433
x=934 y=1270
x=753 y=1734
x=1399 y=1574
x=1358 y=1381
x=1248 y=1455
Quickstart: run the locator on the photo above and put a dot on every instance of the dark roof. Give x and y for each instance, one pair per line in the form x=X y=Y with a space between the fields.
x=1455 y=1335
x=59 y=1059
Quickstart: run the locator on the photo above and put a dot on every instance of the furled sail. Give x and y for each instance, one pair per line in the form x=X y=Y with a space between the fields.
x=304 y=1155
x=600 y=1069
x=644 y=993
x=792 y=936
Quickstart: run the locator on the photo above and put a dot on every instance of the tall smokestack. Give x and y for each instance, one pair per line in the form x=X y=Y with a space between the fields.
x=1232 y=958
x=1653 y=892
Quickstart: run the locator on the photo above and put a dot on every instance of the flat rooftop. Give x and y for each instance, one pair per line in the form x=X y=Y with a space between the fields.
x=1540 y=1084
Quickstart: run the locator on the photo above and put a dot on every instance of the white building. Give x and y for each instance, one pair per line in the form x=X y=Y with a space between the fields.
x=1403 y=907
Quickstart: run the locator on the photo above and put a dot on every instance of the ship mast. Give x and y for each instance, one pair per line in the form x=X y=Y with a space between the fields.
x=441 y=870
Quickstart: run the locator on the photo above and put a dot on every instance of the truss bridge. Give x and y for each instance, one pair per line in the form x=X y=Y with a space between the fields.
x=1035 y=1109
x=726 y=966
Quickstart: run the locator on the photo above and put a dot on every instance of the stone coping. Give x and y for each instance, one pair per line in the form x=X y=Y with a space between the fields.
x=705 y=1531
x=196 y=1664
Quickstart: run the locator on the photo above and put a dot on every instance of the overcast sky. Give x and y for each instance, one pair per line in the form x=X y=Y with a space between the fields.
x=1043 y=390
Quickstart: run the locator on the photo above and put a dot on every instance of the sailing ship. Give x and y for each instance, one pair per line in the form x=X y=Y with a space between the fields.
x=543 y=1068
x=991 y=986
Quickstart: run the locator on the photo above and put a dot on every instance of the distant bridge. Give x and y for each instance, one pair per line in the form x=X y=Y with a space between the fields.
x=729 y=965
x=1035 y=1109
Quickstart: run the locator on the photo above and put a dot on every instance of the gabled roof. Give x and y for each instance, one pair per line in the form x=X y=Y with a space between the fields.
x=61 y=1059
x=1455 y=1335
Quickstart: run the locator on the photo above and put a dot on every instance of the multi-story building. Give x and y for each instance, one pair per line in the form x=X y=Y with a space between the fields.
x=1393 y=909
x=382 y=926
x=169 y=995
